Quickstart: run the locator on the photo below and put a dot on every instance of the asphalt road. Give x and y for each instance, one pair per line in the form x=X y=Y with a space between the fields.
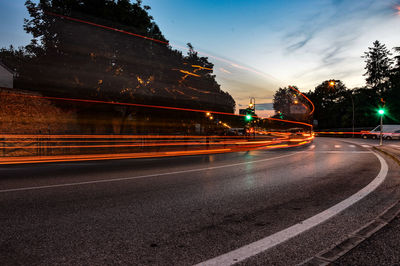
x=185 y=210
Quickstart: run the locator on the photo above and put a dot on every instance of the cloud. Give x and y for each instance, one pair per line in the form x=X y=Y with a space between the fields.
x=264 y=106
x=224 y=70
x=299 y=44
x=330 y=44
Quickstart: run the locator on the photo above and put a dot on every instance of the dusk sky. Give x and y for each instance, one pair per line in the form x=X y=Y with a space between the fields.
x=257 y=46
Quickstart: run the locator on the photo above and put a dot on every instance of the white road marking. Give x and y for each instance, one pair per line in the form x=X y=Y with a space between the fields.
x=341 y=152
x=266 y=243
x=312 y=147
x=352 y=146
x=366 y=146
x=143 y=176
x=338 y=146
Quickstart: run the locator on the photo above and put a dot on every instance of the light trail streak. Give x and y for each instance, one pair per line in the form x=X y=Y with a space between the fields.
x=189 y=73
x=183 y=71
x=73 y=158
x=104 y=27
x=312 y=104
x=341 y=133
x=115 y=136
x=135 y=145
x=149 y=106
x=235 y=147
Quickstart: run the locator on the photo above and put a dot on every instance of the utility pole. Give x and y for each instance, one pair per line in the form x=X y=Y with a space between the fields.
x=381 y=112
x=381 y=134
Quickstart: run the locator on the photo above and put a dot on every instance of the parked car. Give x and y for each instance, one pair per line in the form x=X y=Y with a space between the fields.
x=389 y=132
x=394 y=135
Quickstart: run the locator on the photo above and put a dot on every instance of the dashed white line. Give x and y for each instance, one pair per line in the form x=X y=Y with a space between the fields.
x=352 y=146
x=338 y=146
x=366 y=146
x=266 y=243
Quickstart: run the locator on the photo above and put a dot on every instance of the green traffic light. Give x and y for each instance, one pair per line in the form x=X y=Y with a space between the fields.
x=248 y=117
x=381 y=111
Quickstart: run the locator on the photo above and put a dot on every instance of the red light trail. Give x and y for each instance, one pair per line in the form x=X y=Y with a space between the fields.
x=104 y=27
x=148 y=106
x=312 y=104
x=93 y=157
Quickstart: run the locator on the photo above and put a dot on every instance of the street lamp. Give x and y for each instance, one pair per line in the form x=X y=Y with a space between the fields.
x=332 y=83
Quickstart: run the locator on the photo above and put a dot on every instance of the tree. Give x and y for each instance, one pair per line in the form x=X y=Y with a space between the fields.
x=281 y=101
x=397 y=59
x=73 y=59
x=80 y=60
x=392 y=95
x=330 y=103
x=378 y=66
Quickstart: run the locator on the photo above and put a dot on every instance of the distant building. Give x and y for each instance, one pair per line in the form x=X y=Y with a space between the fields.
x=6 y=76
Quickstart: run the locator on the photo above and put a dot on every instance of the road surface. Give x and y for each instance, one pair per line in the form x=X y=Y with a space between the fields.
x=187 y=210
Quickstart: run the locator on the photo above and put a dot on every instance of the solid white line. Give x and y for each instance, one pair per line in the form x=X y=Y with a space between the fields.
x=337 y=146
x=143 y=176
x=266 y=243
x=344 y=152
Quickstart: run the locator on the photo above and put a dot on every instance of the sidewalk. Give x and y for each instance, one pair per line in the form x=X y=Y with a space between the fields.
x=389 y=151
x=383 y=247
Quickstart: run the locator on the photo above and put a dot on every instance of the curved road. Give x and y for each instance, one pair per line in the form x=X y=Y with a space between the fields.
x=183 y=210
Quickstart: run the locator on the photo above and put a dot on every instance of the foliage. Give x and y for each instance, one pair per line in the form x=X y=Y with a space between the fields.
x=31 y=115
x=286 y=98
x=378 y=66
x=281 y=101
x=73 y=59
x=328 y=100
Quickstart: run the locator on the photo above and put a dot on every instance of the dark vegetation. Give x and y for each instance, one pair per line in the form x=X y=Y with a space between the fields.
x=72 y=59
x=334 y=102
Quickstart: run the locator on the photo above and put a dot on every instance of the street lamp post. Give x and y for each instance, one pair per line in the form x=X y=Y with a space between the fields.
x=352 y=103
x=332 y=83
x=381 y=134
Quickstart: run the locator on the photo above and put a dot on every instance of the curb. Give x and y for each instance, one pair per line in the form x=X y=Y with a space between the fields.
x=337 y=250
x=331 y=254
x=395 y=158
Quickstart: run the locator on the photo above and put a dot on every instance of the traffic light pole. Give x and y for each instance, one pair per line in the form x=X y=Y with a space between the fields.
x=381 y=134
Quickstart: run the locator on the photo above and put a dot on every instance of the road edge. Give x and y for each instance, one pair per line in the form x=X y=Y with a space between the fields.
x=339 y=249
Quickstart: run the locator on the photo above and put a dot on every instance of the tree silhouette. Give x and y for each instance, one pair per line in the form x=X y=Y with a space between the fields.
x=75 y=59
x=282 y=100
x=378 y=65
